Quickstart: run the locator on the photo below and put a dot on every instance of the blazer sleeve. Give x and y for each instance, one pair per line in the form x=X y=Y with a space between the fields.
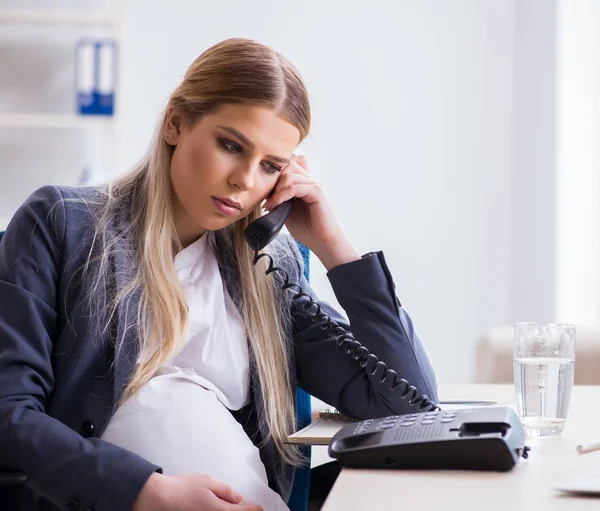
x=366 y=291
x=61 y=465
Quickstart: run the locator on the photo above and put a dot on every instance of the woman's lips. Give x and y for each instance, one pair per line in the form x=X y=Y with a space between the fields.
x=225 y=208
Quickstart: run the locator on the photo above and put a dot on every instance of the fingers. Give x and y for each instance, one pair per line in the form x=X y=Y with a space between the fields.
x=232 y=501
x=289 y=181
x=292 y=179
x=295 y=181
x=223 y=491
x=240 y=507
x=299 y=165
x=307 y=192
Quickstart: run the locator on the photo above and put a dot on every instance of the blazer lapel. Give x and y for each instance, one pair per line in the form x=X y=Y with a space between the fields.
x=228 y=267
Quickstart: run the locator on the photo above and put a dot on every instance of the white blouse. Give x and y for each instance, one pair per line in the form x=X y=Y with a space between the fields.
x=180 y=419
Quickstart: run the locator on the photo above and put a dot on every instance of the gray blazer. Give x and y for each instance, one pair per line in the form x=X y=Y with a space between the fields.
x=59 y=387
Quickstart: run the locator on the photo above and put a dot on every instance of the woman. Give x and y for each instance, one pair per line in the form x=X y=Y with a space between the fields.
x=145 y=362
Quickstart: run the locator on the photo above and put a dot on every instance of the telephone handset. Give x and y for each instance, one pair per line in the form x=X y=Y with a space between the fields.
x=477 y=439
x=258 y=235
x=262 y=231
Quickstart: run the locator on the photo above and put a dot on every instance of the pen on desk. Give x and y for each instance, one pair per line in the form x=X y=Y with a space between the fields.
x=592 y=446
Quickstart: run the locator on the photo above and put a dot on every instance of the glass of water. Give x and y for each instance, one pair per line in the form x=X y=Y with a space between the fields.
x=544 y=369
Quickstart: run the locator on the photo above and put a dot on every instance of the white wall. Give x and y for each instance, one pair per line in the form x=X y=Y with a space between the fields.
x=412 y=110
x=533 y=175
x=578 y=162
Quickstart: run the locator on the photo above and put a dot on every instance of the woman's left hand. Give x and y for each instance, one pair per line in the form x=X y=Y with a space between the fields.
x=312 y=221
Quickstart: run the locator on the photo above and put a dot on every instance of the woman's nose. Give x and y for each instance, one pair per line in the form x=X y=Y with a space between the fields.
x=243 y=177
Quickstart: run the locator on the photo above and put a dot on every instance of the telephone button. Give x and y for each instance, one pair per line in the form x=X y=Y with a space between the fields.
x=363 y=426
x=427 y=421
x=446 y=420
x=407 y=423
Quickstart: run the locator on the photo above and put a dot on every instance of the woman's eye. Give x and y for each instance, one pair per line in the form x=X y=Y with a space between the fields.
x=230 y=146
x=271 y=168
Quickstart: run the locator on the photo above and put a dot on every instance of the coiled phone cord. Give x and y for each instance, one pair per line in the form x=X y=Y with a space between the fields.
x=351 y=346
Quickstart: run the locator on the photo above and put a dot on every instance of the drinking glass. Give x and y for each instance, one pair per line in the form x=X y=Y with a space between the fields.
x=544 y=368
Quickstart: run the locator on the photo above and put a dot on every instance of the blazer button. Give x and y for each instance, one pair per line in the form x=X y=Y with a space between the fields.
x=73 y=504
x=87 y=429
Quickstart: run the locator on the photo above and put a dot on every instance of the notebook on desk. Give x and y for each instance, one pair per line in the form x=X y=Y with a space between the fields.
x=319 y=432
x=322 y=430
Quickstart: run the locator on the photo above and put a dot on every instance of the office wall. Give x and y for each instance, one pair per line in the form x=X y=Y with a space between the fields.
x=412 y=107
x=577 y=242
x=533 y=179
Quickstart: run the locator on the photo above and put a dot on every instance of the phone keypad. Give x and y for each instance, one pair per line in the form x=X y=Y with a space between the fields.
x=447 y=418
x=388 y=422
x=405 y=421
x=363 y=426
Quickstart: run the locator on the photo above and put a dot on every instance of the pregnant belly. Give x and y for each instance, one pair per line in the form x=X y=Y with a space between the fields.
x=182 y=427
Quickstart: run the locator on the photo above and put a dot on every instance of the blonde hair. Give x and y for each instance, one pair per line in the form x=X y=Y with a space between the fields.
x=235 y=71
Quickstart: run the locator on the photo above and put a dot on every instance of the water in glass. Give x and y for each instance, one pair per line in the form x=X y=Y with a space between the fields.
x=543 y=389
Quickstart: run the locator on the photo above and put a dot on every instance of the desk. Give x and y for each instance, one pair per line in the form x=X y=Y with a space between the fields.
x=529 y=486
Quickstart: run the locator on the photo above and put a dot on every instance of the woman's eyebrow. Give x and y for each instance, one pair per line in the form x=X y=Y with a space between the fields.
x=244 y=139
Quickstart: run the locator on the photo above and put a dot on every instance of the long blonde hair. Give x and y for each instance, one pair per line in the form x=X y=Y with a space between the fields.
x=235 y=71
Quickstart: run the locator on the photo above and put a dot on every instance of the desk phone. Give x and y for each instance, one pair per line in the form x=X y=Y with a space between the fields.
x=490 y=438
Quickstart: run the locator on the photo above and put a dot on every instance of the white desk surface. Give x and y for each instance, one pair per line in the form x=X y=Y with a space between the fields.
x=529 y=486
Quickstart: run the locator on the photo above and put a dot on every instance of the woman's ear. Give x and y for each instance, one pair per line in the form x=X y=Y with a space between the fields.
x=173 y=125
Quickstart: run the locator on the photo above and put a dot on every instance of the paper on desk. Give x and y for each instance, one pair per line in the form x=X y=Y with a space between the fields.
x=319 y=432
x=588 y=483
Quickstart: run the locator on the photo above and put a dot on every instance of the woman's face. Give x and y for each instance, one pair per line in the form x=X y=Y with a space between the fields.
x=234 y=154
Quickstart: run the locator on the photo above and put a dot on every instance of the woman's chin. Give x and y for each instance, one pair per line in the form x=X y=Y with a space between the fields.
x=215 y=224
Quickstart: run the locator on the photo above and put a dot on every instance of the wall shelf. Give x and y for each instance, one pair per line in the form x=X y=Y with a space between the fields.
x=57 y=18
x=54 y=121
x=95 y=154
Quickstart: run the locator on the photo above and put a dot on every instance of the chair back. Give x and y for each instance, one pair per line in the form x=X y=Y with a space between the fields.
x=298 y=500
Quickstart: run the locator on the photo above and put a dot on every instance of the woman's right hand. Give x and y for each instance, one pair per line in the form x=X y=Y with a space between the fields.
x=193 y=492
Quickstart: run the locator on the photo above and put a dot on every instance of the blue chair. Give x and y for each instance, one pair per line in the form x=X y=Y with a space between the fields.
x=298 y=500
